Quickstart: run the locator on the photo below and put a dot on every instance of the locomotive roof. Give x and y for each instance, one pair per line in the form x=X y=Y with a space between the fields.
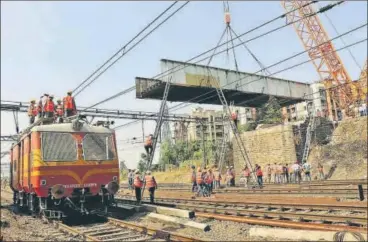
x=67 y=128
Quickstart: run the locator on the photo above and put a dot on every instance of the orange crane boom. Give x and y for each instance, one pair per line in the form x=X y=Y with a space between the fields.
x=363 y=83
x=340 y=90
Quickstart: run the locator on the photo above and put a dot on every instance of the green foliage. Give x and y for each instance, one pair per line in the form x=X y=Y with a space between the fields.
x=270 y=113
x=142 y=162
x=248 y=127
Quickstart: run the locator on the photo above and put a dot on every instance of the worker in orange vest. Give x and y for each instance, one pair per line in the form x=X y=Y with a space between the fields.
x=59 y=111
x=259 y=175
x=49 y=107
x=148 y=144
x=234 y=117
x=138 y=184
x=32 y=111
x=218 y=177
x=246 y=174
x=199 y=178
x=193 y=179
x=209 y=177
x=70 y=108
x=151 y=184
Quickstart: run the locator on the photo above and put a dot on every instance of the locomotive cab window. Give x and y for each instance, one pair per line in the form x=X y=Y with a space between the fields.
x=58 y=146
x=97 y=147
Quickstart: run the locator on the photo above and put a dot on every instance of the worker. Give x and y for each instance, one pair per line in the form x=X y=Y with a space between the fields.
x=320 y=172
x=274 y=173
x=49 y=107
x=138 y=184
x=280 y=172
x=59 y=111
x=151 y=184
x=228 y=177
x=217 y=180
x=40 y=108
x=269 y=173
x=286 y=173
x=209 y=180
x=296 y=171
x=233 y=176
x=193 y=179
x=70 y=108
x=199 y=179
x=148 y=144
x=32 y=111
x=246 y=174
x=306 y=170
x=259 y=175
x=291 y=174
x=234 y=117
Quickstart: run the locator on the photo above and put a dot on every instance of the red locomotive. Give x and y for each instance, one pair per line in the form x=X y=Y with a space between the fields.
x=61 y=168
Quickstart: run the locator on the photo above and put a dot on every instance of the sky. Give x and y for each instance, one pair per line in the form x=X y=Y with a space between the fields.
x=52 y=46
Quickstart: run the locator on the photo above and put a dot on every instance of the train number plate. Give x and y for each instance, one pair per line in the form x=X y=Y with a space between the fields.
x=80 y=185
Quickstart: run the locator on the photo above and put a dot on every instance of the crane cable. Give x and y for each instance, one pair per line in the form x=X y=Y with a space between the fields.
x=177 y=107
x=171 y=70
x=126 y=51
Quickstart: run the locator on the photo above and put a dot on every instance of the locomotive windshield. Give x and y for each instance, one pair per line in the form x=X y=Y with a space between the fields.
x=58 y=147
x=98 y=147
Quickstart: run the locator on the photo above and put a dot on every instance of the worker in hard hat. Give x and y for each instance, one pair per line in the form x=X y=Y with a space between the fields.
x=43 y=101
x=151 y=184
x=32 y=111
x=138 y=184
x=49 y=107
x=70 y=108
x=40 y=107
x=59 y=111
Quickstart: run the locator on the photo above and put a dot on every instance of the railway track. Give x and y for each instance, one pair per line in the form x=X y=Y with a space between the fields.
x=118 y=230
x=325 y=183
x=326 y=214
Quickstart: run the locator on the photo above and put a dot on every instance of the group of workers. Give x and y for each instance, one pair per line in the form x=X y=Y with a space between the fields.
x=136 y=183
x=46 y=108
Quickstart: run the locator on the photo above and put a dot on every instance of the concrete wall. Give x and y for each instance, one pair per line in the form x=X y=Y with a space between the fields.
x=270 y=145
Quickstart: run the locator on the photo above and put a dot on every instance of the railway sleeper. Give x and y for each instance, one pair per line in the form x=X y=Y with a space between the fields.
x=104 y=231
x=128 y=238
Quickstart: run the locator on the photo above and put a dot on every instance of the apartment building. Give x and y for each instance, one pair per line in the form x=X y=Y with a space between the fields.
x=299 y=111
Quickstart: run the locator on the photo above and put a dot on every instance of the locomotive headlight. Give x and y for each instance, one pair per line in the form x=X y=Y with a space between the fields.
x=115 y=178
x=57 y=191
x=112 y=187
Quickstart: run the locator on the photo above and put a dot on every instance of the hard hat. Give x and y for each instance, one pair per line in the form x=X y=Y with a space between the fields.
x=69 y=92
x=199 y=169
x=148 y=172
x=59 y=100
x=51 y=96
x=33 y=100
x=46 y=94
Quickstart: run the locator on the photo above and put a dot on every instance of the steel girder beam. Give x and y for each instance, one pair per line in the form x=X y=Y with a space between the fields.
x=105 y=113
x=10 y=138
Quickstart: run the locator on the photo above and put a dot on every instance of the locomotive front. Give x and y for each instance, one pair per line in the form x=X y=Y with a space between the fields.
x=70 y=170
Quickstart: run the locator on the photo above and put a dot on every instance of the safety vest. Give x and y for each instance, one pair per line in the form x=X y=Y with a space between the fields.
x=246 y=172
x=217 y=175
x=150 y=181
x=68 y=103
x=149 y=141
x=259 y=172
x=138 y=182
x=234 y=116
x=320 y=168
x=59 y=110
x=49 y=106
x=32 y=110
x=199 y=179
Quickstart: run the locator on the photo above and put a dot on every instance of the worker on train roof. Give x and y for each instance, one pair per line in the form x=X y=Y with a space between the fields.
x=33 y=100
x=69 y=92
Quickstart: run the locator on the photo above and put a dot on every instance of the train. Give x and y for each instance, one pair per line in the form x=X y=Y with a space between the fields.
x=58 y=170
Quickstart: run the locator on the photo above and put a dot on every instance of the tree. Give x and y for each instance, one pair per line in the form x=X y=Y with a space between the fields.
x=142 y=162
x=270 y=113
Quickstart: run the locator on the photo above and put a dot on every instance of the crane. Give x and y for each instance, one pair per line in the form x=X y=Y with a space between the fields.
x=340 y=90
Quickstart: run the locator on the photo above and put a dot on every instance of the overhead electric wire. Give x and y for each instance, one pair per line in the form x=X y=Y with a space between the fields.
x=132 y=47
x=177 y=107
x=170 y=71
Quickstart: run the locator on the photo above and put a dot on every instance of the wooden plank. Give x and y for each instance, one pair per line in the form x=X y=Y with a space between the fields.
x=170 y=211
